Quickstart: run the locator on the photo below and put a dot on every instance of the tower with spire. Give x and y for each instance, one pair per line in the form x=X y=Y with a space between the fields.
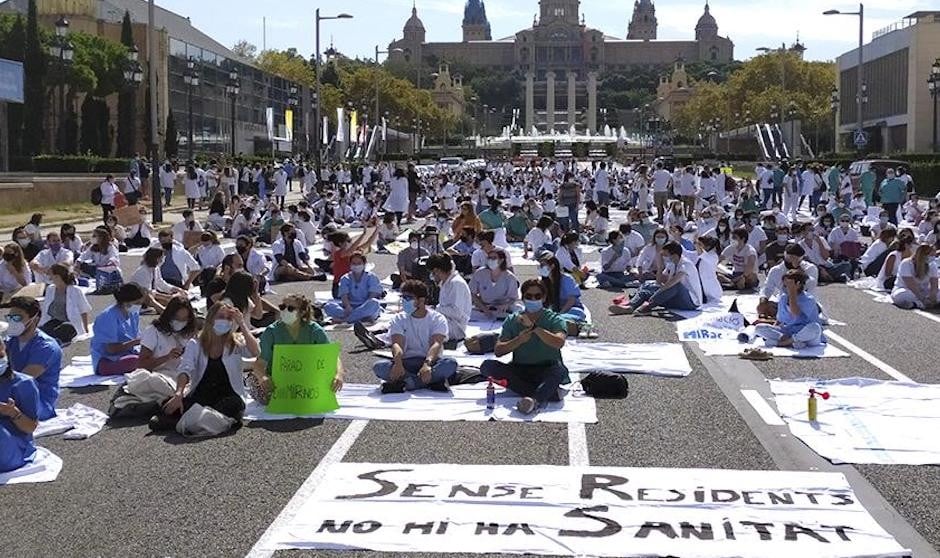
x=706 y=28
x=414 y=28
x=643 y=25
x=475 y=25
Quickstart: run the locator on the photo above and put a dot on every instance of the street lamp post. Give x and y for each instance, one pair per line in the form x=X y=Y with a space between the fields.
x=62 y=51
x=293 y=101
x=191 y=78
x=319 y=97
x=861 y=93
x=834 y=105
x=933 y=84
x=232 y=88
x=791 y=116
x=377 y=53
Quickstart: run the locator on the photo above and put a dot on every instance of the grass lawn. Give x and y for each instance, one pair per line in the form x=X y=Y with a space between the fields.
x=64 y=212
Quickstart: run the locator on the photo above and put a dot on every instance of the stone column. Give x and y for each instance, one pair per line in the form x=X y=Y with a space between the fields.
x=529 y=101
x=572 y=98
x=592 y=102
x=550 y=102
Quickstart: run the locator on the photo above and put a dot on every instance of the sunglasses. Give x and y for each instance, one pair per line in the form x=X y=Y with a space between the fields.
x=408 y=297
x=14 y=318
x=288 y=308
x=532 y=296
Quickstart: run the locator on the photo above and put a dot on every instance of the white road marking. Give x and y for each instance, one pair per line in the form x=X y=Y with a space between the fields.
x=577 y=445
x=763 y=408
x=928 y=315
x=266 y=545
x=878 y=363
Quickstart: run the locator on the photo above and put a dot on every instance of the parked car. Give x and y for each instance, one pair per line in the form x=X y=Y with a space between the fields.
x=452 y=163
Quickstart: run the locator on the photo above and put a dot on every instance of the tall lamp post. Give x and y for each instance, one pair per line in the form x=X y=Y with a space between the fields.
x=232 y=88
x=791 y=116
x=191 y=78
x=933 y=84
x=860 y=96
x=834 y=105
x=62 y=51
x=377 y=64
x=293 y=101
x=319 y=97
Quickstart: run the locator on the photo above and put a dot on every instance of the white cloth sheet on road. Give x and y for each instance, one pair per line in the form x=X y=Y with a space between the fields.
x=747 y=305
x=462 y=403
x=78 y=422
x=865 y=420
x=45 y=467
x=80 y=374
x=730 y=347
x=717 y=335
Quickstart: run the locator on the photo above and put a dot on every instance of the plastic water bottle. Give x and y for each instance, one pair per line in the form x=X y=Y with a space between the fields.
x=490 y=395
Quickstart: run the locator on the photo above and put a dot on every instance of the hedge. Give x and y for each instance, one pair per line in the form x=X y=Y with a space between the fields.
x=77 y=164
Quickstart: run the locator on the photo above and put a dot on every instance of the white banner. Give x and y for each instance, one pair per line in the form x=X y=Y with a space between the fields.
x=865 y=420
x=597 y=511
x=326 y=130
x=269 y=120
x=711 y=327
x=340 y=125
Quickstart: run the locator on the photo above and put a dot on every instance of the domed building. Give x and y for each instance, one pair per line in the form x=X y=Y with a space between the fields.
x=560 y=57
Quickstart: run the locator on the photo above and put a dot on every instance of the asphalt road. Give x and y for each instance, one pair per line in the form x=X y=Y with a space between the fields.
x=127 y=492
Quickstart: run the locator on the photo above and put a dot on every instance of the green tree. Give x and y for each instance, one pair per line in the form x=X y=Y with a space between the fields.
x=287 y=64
x=127 y=101
x=245 y=49
x=34 y=63
x=171 y=141
x=13 y=47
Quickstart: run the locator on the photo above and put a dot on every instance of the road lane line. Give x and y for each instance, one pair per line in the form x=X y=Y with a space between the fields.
x=577 y=445
x=927 y=315
x=762 y=407
x=266 y=546
x=878 y=363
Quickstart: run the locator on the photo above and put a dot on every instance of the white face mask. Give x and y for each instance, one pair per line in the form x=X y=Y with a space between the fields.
x=414 y=245
x=288 y=317
x=544 y=271
x=357 y=269
x=134 y=308
x=15 y=329
x=178 y=325
x=492 y=264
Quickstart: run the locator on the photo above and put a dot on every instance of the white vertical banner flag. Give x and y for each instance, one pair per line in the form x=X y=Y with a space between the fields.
x=340 y=125
x=384 y=129
x=326 y=130
x=269 y=119
x=594 y=511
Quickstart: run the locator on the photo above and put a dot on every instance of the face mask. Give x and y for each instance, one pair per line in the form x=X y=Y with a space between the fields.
x=533 y=306
x=288 y=317
x=178 y=325
x=883 y=220
x=414 y=245
x=16 y=329
x=134 y=309
x=23 y=242
x=222 y=327
x=660 y=241
x=4 y=364
x=409 y=306
x=544 y=271
x=167 y=246
x=357 y=269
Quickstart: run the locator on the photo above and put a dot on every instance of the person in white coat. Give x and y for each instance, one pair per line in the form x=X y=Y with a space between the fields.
x=148 y=276
x=167 y=182
x=191 y=187
x=397 y=201
x=54 y=253
x=280 y=185
x=64 y=307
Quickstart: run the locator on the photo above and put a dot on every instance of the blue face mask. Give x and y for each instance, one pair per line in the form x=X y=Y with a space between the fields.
x=409 y=306
x=221 y=327
x=533 y=306
x=4 y=364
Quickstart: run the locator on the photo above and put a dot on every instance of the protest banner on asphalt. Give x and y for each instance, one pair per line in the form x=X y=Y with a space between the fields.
x=303 y=379
x=711 y=327
x=597 y=511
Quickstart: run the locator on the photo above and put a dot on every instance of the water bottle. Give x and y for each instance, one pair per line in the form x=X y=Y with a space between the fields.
x=490 y=395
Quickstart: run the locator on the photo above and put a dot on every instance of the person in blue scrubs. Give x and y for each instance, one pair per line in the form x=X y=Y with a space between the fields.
x=115 y=347
x=33 y=352
x=19 y=409
x=359 y=293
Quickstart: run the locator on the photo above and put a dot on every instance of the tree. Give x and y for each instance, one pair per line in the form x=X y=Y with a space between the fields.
x=13 y=47
x=171 y=144
x=96 y=134
x=245 y=49
x=34 y=66
x=127 y=101
x=287 y=64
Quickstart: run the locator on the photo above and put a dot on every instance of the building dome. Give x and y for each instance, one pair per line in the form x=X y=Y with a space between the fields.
x=414 y=22
x=707 y=21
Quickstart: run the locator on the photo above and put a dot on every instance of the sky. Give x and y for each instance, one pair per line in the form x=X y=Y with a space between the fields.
x=749 y=23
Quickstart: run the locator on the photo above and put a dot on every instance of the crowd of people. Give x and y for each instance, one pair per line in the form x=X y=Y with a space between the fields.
x=676 y=238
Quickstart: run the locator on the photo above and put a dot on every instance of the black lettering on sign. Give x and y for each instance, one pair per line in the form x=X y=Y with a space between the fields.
x=729 y=531
x=811 y=496
x=442 y=528
x=480 y=492
x=290 y=365
x=330 y=526
x=748 y=500
x=503 y=490
x=513 y=527
x=763 y=529
x=843 y=500
x=650 y=526
x=366 y=527
x=412 y=491
x=524 y=494
x=488 y=528
x=385 y=487
x=700 y=495
x=725 y=496
x=680 y=496
x=424 y=528
x=590 y=483
x=609 y=529
x=793 y=530
x=840 y=530
x=776 y=499
x=703 y=532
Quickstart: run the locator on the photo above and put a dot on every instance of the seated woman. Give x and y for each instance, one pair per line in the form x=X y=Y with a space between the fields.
x=295 y=327
x=292 y=258
x=54 y=253
x=64 y=307
x=517 y=226
x=743 y=259
x=916 y=286
x=163 y=343
x=466 y=218
x=149 y=277
x=797 y=324
x=116 y=333
x=242 y=292
x=19 y=416
x=563 y=295
x=678 y=287
x=118 y=231
x=216 y=221
x=25 y=242
x=649 y=262
x=100 y=261
x=535 y=337
x=211 y=369
x=570 y=257
x=71 y=240
x=209 y=254
x=899 y=250
x=874 y=257
x=14 y=271
x=494 y=289
x=707 y=266
x=359 y=294
x=343 y=247
x=538 y=238
x=140 y=235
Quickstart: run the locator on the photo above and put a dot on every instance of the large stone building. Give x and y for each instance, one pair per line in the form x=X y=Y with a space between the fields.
x=560 y=58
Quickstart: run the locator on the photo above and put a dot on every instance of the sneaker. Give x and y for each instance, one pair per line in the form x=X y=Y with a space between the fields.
x=618 y=310
x=438 y=386
x=527 y=406
x=393 y=387
x=367 y=338
x=644 y=310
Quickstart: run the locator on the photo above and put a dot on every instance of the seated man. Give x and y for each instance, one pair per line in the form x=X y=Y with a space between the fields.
x=408 y=260
x=678 y=287
x=454 y=302
x=188 y=224
x=517 y=226
x=292 y=258
x=19 y=416
x=743 y=259
x=34 y=353
x=616 y=262
x=486 y=241
x=179 y=267
x=535 y=337
x=797 y=324
x=417 y=335
x=359 y=293
x=818 y=252
x=793 y=258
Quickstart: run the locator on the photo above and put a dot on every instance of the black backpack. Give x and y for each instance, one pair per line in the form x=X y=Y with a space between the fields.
x=605 y=385
x=96 y=196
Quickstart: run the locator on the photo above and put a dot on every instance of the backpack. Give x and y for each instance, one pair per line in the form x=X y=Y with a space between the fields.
x=605 y=385
x=96 y=196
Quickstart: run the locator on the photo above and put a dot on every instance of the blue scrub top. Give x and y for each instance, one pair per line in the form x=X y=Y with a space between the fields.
x=809 y=313
x=568 y=289
x=23 y=390
x=113 y=326
x=44 y=351
x=358 y=291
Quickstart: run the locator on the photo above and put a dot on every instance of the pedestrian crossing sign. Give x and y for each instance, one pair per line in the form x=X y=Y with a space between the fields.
x=861 y=139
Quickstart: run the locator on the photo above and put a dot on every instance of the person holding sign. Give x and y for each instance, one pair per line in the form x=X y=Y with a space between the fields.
x=535 y=337
x=211 y=368
x=418 y=335
x=295 y=327
x=359 y=294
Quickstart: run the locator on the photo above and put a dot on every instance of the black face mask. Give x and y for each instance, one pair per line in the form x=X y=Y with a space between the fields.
x=9 y=257
x=241 y=248
x=789 y=265
x=167 y=246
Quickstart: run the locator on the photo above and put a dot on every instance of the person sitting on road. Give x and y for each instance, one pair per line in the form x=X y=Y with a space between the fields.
x=797 y=323
x=818 y=252
x=678 y=287
x=359 y=294
x=54 y=253
x=253 y=261
x=296 y=326
x=417 y=337
x=187 y=224
x=454 y=301
x=794 y=258
x=101 y=261
x=874 y=257
x=65 y=308
x=292 y=258
x=570 y=257
x=141 y=234
x=163 y=342
x=211 y=369
x=563 y=295
x=535 y=337
x=71 y=240
x=616 y=262
x=845 y=243
x=115 y=343
x=25 y=242
x=14 y=271
x=343 y=248
x=486 y=241
x=149 y=278
x=649 y=263
x=916 y=286
x=34 y=353
x=899 y=250
x=179 y=267
x=19 y=416
x=743 y=259
x=494 y=289
x=209 y=254
x=243 y=292
x=539 y=237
